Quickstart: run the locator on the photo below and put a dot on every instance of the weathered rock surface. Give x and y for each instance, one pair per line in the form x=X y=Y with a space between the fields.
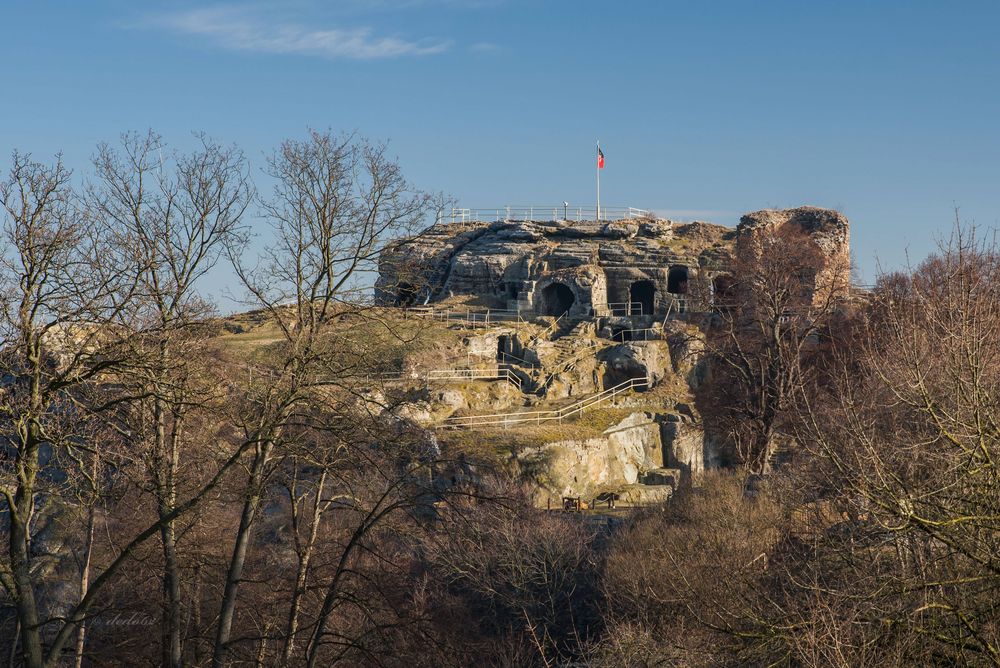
x=635 y=359
x=514 y=263
x=452 y=398
x=683 y=448
x=827 y=230
x=645 y=495
x=644 y=448
x=602 y=267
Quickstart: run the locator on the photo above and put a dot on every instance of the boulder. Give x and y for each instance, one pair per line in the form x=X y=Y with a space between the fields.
x=484 y=345
x=635 y=444
x=635 y=359
x=418 y=411
x=586 y=467
x=645 y=495
x=452 y=398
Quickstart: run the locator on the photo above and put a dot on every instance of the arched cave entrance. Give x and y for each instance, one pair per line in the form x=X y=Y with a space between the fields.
x=723 y=290
x=677 y=280
x=406 y=294
x=643 y=294
x=557 y=298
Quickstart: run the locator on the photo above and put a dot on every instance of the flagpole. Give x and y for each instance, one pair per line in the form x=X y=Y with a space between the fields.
x=598 y=164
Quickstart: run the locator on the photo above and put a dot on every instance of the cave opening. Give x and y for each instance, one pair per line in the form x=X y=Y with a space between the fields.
x=642 y=297
x=557 y=299
x=723 y=290
x=677 y=280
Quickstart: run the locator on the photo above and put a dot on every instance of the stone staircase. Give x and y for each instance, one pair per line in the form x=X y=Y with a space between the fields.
x=567 y=328
x=569 y=343
x=781 y=456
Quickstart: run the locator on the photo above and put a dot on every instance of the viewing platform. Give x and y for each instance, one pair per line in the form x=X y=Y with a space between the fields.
x=544 y=213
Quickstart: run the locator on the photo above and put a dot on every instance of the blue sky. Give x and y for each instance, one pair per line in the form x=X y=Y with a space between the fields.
x=885 y=110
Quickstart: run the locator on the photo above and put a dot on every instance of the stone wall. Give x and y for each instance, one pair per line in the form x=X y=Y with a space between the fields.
x=828 y=231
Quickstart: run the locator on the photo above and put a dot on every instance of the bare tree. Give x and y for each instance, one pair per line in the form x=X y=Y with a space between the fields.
x=905 y=434
x=767 y=326
x=176 y=216
x=57 y=294
x=532 y=575
x=73 y=329
x=337 y=202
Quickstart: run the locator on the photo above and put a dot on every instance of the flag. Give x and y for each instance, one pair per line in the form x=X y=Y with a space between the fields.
x=600 y=158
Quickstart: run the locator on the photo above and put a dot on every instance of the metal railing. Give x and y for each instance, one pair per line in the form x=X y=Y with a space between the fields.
x=488 y=373
x=472 y=317
x=678 y=304
x=625 y=308
x=498 y=372
x=643 y=334
x=542 y=214
x=547 y=331
x=507 y=358
x=538 y=417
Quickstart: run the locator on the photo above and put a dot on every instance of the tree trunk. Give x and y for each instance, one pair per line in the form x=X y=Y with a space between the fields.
x=81 y=633
x=235 y=571
x=20 y=546
x=27 y=609
x=196 y=614
x=166 y=497
x=302 y=572
x=12 y=655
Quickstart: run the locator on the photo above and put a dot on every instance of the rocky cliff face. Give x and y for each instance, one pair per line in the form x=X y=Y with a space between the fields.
x=515 y=264
x=602 y=305
x=646 y=449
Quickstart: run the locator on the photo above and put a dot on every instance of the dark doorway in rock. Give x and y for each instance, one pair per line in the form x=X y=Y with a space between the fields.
x=621 y=334
x=642 y=296
x=557 y=298
x=723 y=290
x=677 y=280
x=406 y=295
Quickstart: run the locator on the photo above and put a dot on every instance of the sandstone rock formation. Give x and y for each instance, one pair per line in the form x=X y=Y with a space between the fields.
x=828 y=231
x=643 y=449
x=588 y=306
x=548 y=268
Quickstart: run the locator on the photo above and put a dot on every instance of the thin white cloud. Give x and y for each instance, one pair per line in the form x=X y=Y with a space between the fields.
x=484 y=47
x=238 y=30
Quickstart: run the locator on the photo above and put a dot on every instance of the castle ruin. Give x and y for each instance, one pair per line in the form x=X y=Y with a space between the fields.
x=644 y=268
x=605 y=314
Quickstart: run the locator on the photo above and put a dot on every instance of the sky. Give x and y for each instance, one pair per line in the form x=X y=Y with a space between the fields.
x=887 y=111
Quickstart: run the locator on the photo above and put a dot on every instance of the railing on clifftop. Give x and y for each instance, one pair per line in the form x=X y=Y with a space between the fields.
x=542 y=214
